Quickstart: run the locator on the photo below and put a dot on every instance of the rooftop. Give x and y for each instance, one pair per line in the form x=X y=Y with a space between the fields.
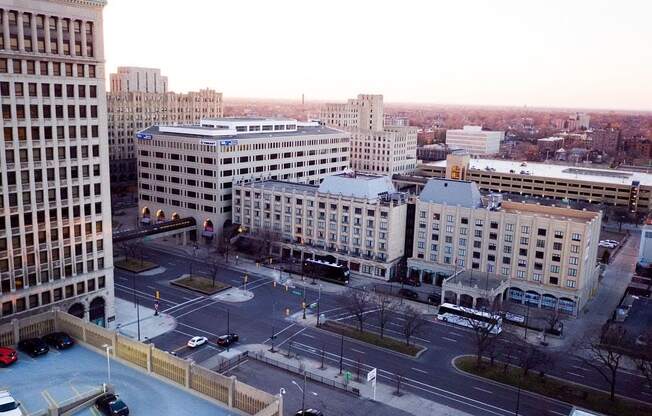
x=547 y=170
x=366 y=187
x=203 y=132
x=451 y=192
x=472 y=278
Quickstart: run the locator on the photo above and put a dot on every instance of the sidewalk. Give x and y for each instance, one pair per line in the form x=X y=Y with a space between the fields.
x=385 y=393
x=151 y=326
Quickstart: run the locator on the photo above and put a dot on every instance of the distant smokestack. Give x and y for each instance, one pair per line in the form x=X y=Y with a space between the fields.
x=303 y=100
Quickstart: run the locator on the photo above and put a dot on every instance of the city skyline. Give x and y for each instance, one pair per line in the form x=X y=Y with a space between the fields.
x=466 y=53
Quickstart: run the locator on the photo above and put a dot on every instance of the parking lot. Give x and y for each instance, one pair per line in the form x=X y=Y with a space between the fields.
x=60 y=376
x=331 y=401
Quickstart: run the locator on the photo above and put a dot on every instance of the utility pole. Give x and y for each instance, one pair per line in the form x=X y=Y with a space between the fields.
x=228 y=328
x=341 y=354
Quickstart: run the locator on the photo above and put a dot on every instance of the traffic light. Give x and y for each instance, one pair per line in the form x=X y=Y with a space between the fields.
x=274 y=283
x=158 y=295
x=246 y=277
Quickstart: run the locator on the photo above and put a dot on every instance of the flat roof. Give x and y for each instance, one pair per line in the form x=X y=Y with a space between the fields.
x=213 y=133
x=547 y=170
x=472 y=278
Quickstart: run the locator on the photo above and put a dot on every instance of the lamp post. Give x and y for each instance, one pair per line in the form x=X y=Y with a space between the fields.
x=318 y=303
x=108 y=348
x=228 y=328
x=341 y=354
x=136 y=303
x=304 y=302
x=273 y=329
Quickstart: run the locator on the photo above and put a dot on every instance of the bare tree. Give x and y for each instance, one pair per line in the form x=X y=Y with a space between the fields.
x=413 y=322
x=215 y=269
x=531 y=357
x=357 y=303
x=552 y=319
x=385 y=303
x=643 y=359
x=267 y=238
x=223 y=247
x=604 y=353
x=485 y=332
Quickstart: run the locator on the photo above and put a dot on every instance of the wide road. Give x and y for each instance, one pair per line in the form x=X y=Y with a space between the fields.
x=430 y=376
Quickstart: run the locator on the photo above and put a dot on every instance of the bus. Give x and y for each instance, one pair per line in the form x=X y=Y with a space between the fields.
x=470 y=318
x=324 y=270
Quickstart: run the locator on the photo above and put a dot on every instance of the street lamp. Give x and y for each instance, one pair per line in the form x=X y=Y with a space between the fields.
x=136 y=303
x=108 y=348
x=303 y=391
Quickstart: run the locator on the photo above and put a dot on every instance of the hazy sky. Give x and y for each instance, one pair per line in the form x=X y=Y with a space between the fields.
x=568 y=53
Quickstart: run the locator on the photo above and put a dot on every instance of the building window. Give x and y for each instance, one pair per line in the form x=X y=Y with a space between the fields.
x=572 y=272
x=554 y=268
x=576 y=237
x=571 y=283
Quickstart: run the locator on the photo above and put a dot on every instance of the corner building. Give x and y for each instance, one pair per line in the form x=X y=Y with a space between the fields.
x=190 y=171
x=543 y=256
x=55 y=216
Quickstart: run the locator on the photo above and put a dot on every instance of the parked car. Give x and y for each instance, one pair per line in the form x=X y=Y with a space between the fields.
x=408 y=293
x=613 y=242
x=8 y=405
x=111 y=405
x=412 y=282
x=197 y=341
x=434 y=299
x=8 y=356
x=606 y=244
x=309 y=412
x=33 y=346
x=227 y=339
x=59 y=340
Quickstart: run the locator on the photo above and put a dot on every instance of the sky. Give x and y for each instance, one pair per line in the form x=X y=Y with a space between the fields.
x=552 y=53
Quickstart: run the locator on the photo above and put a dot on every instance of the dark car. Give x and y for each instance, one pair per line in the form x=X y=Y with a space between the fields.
x=33 y=346
x=434 y=299
x=227 y=340
x=409 y=294
x=7 y=356
x=59 y=340
x=309 y=412
x=111 y=405
x=412 y=282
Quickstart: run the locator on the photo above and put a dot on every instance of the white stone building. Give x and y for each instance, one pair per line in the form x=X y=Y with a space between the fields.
x=189 y=171
x=475 y=140
x=358 y=219
x=137 y=79
x=547 y=255
x=55 y=212
x=375 y=148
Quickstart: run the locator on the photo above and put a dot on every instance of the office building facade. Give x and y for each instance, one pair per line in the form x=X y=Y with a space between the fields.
x=357 y=219
x=55 y=215
x=376 y=148
x=475 y=140
x=190 y=171
x=139 y=98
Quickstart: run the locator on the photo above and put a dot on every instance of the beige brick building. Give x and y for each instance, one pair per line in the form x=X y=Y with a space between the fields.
x=189 y=171
x=546 y=255
x=375 y=147
x=358 y=219
x=55 y=216
x=138 y=99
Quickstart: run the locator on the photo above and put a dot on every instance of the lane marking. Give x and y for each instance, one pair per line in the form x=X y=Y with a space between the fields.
x=280 y=332
x=484 y=390
x=449 y=339
x=358 y=351
x=580 y=368
x=308 y=335
x=179 y=305
x=289 y=338
x=214 y=302
x=575 y=374
x=419 y=370
x=150 y=287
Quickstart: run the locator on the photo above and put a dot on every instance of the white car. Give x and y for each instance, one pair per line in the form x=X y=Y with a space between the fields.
x=614 y=242
x=606 y=245
x=197 y=341
x=9 y=406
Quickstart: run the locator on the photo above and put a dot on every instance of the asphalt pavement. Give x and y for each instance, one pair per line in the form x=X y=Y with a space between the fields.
x=430 y=376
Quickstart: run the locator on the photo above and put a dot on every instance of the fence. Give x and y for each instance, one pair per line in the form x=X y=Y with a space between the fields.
x=225 y=390
x=262 y=357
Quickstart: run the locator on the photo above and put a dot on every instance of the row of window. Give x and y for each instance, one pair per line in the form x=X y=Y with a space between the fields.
x=49 y=133
x=50 y=296
x=47 y=68
x=45 y=112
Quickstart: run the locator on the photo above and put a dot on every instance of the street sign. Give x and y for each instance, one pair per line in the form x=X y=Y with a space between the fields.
x=297 y=292
x=347 y=376
x=371 y=375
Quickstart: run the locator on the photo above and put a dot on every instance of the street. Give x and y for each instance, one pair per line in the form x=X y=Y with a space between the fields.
x=430 y=376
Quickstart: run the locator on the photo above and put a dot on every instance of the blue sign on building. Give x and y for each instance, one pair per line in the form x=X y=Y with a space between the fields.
x=142 y=136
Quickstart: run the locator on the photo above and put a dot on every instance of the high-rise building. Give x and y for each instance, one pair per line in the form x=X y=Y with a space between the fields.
x=475 y=140
x=136 y=79
x=55 y=213
x=139 y=98
x=189 y=171
x=375 y=147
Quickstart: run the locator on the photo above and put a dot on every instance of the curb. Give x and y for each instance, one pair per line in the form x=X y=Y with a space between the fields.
x=510 y=387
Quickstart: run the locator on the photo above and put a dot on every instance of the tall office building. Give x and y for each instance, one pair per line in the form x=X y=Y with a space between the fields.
x=55 y=216
x=375 y=148
x=475 y=140
x=190 y=171
x=139 y=98
x=136 y=79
